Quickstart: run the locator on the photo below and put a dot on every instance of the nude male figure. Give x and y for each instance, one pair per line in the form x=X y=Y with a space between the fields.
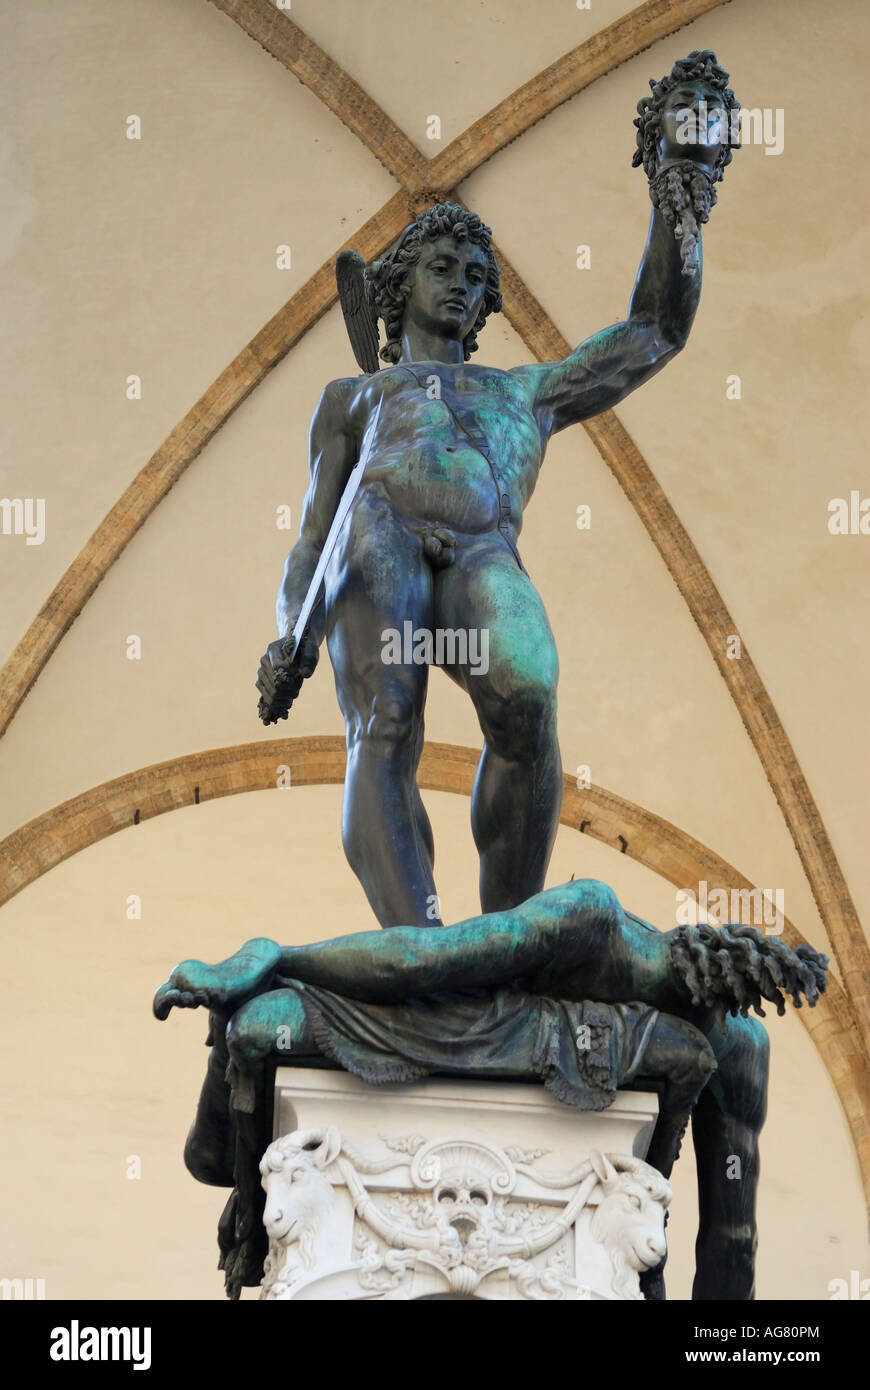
x=432 y=538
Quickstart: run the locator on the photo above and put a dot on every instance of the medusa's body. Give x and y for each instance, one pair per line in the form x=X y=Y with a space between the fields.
x=572 y=943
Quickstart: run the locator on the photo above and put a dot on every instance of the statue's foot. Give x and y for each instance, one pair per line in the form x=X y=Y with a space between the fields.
x=223 y=987
x=241 y=1257
x=191 y=984
x=242 y=1267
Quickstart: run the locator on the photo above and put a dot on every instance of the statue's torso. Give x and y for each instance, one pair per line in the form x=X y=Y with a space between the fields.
x=424 y=460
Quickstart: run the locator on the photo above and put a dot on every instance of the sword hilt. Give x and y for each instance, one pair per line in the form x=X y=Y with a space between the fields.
x=290 y=646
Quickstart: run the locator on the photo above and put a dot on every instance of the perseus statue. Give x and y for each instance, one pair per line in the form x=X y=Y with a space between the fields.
x=430 y=545
x=444 y=457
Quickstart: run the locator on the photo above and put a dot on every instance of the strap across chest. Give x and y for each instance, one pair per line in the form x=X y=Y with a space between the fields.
x=480 y=442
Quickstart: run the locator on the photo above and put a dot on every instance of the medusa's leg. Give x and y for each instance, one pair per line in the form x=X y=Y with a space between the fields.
x=273 y=1023
x=404 y=963
x=571 y=942
x=680 y=1061
x=725 y=1128
x=210 y=1146
x=680 y=1056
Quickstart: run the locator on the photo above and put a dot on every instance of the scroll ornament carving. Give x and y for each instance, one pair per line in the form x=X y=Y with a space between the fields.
x=452 y=1214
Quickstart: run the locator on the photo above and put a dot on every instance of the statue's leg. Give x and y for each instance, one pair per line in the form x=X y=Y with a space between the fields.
x=383 y=583
x=681 y=1060
x=210 y=1146
x=725 y=1128
x=677 y=1063
x=274 y=1021
x=517 y=792
x=271 y=1023
x=569 y=942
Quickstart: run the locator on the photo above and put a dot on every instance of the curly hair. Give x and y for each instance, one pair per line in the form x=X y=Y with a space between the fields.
x=386 y=279
x=701 y=63
x=731 y=968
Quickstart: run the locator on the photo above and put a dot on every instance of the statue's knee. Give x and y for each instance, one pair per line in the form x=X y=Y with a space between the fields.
x=252 y=1032
x=517 y=724
x=205 y=1161
x=589 y=897
x=196 y=1158
x=693 y=1063
x=607 y=904
x=392 y=718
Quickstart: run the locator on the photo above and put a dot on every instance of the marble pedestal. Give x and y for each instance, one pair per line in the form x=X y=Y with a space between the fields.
x=453 y=1188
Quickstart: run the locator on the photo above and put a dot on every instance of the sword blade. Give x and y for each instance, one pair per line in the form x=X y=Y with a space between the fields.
x=347 y=499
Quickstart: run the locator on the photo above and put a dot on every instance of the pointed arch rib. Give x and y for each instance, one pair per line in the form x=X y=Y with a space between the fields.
x=283 y=40
x=601 y=53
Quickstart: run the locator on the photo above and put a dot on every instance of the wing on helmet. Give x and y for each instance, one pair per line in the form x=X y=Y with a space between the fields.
x=360 y=317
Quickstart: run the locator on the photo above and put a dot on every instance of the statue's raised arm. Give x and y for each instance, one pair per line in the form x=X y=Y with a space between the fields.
x=686 y=131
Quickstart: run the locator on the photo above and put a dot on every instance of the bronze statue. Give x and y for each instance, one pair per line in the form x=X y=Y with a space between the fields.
x=432 y=536
x=420 y=473
x=503 y=996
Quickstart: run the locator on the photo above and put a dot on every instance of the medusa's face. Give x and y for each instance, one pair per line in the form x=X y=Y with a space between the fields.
x=694 y=123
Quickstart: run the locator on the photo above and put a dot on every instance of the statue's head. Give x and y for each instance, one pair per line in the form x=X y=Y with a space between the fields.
x=442 y=273
x=669 y=123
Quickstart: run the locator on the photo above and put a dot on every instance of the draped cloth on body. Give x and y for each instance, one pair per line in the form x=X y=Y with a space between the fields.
x=581 y=1051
